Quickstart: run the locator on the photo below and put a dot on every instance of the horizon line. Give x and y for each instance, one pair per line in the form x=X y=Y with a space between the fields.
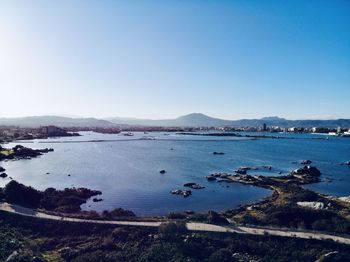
x=155 y=119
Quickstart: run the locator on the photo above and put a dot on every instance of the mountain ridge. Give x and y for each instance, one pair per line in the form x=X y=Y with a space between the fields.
x=61 y=121
x=189 y=120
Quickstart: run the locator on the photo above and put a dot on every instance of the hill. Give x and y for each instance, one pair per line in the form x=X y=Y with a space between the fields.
x=198 y=119
x=36 y=121
x=190 y=120
x=194 y=119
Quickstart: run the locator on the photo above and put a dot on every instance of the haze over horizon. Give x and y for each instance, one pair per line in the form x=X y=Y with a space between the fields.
x=161 y=60
x=170 y=118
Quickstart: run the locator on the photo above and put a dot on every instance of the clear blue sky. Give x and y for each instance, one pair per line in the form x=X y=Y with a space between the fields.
x=162 y=59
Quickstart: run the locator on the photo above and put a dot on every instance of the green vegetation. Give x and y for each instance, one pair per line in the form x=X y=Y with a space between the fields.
x=6 y=153
x=20 y=152
x=282 y=210
x=31 y=239
x=67 y=200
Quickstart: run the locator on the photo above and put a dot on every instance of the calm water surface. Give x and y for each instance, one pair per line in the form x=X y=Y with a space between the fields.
x=126 y=169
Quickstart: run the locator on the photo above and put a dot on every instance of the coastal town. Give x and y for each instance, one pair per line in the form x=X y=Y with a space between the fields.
x=10 y=133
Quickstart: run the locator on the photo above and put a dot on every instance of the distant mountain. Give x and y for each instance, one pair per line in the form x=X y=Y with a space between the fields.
x=190 y=120
x=272 y=118
x=60 y=121
x=198 y=119
x=194 y=119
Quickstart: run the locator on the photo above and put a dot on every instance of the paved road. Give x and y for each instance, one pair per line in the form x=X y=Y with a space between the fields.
x=194 y=226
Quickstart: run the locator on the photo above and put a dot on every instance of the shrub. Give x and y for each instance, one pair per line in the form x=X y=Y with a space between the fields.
x=172 y=230
x=20 y=194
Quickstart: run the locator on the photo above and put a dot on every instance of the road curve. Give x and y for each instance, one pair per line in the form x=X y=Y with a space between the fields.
x=193 y=226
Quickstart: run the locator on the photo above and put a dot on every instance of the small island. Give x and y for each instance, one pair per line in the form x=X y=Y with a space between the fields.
x=21 y=152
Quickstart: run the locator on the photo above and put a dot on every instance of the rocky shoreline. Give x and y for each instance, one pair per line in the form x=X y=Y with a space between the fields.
x=21 y=152
x=290 y=205
x=300 y=176
x=308 y=208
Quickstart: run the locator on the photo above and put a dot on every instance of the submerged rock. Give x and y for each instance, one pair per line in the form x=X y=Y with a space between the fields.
x=218 y=153
x=246 y=168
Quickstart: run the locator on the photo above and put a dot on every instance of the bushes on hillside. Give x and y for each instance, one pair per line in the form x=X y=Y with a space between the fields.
x=20 y=194
x=67 y=200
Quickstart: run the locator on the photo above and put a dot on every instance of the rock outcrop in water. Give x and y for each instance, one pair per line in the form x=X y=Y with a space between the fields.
x=194 y=185
x=247 y=168
x=218 y=153
x=184 y=193
x=21 y=152
x=306 y=174
x=300 y=176
x=211 y=178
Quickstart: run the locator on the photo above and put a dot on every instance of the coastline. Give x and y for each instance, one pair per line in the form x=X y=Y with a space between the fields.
x=280 y=190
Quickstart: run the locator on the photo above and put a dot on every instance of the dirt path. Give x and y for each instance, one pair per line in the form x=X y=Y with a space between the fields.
x=193 y=226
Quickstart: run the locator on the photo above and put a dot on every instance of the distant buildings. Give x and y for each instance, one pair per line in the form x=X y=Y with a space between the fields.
x=320 y=130
x=52 y=131
x=295 y=129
